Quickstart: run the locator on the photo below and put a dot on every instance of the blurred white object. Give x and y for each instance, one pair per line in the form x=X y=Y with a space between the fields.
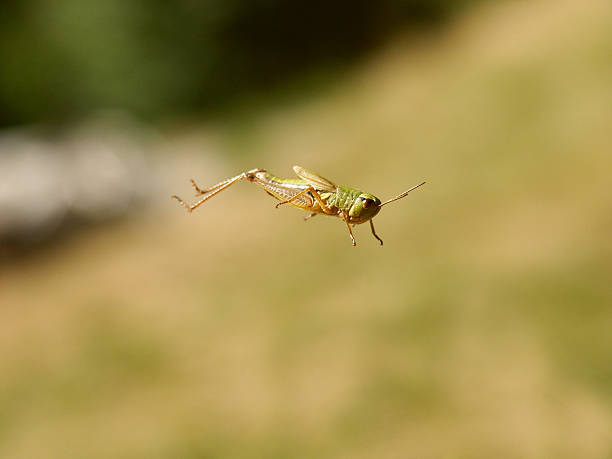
x=95 y=172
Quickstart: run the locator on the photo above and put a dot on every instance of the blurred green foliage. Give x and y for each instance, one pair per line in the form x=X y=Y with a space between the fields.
x=63 y=58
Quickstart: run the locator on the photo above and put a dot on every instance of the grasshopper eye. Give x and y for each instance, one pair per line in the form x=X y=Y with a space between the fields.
x=367 y=202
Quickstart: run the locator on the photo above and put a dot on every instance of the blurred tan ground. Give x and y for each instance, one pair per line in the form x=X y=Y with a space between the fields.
x=480 y=329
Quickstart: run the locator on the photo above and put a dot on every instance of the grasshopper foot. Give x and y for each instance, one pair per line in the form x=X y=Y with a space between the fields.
x=182 y=203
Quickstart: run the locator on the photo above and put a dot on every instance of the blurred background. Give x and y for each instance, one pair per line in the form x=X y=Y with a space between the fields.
x=129 y=328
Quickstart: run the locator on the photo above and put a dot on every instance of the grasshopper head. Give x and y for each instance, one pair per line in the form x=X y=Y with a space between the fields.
x=364 y=207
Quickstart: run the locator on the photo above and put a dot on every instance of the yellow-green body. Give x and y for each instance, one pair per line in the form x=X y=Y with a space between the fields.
x=337 y=198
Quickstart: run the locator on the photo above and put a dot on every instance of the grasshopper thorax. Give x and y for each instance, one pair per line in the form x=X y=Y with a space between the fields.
x=364 y=207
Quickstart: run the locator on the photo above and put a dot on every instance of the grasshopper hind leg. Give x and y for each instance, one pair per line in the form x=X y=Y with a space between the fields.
x=309 y=216
x=214 y=190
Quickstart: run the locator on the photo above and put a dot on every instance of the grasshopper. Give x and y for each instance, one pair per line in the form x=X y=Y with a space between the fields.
x=310 y=192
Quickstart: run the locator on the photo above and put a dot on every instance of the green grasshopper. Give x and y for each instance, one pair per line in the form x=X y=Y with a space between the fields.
x=310 y=192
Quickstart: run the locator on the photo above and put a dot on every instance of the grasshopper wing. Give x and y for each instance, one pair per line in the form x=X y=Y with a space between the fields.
x=319 y=183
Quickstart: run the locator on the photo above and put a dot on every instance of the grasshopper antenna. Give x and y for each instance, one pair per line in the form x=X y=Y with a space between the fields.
x=402 y=195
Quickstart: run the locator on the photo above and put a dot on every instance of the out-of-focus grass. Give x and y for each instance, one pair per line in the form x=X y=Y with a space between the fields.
x=480 y=329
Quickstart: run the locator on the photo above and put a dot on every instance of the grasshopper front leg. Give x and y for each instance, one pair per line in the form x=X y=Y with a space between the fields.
x=346 y=220
x=374 y=232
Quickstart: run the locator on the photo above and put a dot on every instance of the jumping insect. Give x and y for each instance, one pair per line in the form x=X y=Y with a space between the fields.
x=310 y=192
